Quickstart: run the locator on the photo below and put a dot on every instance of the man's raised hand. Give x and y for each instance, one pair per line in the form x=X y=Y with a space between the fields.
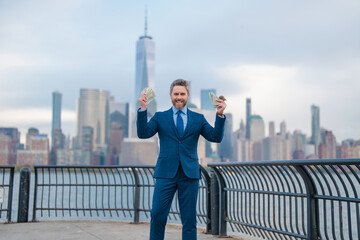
x=142 y=101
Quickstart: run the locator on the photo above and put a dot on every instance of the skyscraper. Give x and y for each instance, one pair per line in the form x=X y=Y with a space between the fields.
x=226 y=145
x=14 y=135
x=248 y=114
x=93 y=111
x=56 y=115
x=206 y=103
x=145 y=68
x=257 y=128
x=315 y=127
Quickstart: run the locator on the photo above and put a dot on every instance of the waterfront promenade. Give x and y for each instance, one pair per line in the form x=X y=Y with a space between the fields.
x=91 y=230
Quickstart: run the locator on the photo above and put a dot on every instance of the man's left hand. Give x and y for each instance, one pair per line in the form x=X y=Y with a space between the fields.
x=220 y=107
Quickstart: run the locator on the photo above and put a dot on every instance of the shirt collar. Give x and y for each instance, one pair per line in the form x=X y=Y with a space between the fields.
x=175 y=110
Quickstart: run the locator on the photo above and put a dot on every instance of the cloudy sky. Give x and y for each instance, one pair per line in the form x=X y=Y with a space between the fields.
x=284 y=55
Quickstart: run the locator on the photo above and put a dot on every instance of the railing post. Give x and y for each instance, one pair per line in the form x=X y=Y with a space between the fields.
x=312 y=204
x=220 y=202
x=11 y=188
x=136 y=196
x=214 y=191
x=24 y=195
x=206 y=177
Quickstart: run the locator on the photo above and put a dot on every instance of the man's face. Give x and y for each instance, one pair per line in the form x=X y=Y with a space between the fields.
x=179 y=97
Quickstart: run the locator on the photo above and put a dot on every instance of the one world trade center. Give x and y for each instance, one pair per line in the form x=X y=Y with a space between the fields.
x=145 y=69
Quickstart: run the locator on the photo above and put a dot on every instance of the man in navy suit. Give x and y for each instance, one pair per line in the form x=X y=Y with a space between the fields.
x=177 y=167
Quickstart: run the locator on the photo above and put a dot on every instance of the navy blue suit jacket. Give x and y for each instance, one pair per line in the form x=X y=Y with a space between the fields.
x=175 y=149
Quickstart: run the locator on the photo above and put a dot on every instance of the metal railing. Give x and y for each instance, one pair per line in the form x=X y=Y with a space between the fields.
x=6 y=192
x=121 y=192
x=307 y=199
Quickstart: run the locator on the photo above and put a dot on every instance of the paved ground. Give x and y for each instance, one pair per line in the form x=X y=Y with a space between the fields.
x=89 y=230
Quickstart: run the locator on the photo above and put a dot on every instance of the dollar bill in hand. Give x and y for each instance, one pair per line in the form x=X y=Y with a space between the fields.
x=150 y=94
x=213 y=98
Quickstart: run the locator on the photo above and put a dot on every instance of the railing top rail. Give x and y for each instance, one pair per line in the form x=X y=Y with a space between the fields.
x=94 y=166
x=350 y=161
x=7 y=166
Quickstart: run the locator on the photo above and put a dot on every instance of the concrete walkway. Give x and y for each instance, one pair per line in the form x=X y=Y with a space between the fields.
x=90 y=230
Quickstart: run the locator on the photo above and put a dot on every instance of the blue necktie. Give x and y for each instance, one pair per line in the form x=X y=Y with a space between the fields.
x=180 y=123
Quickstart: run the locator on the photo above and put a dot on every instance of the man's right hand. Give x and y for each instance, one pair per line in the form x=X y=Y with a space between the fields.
x=142 y=101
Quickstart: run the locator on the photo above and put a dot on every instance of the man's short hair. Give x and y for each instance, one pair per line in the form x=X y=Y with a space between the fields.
x=180 y=82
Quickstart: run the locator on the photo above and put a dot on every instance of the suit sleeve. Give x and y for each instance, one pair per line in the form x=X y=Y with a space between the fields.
x=216 y=133
x=146 y=129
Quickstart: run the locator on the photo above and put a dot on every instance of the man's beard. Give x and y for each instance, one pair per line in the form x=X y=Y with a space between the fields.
x=176 y=103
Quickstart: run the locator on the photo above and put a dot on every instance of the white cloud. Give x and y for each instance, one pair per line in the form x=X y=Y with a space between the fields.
x=275 y=92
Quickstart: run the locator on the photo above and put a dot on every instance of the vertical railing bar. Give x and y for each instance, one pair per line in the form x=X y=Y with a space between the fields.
x=3 y=184
x=231 y=183
x=102 y=188
x=332 y=201
x=76 y=192
x=11 y=188
x=35 y=193
x=142 y=189
x=109 y=190
x=239 y=196
x=242 y=184
x=255 y=186
x=271 y=187
x=349 y=213
x=133 y=181
x=115 y=191
x=266 y=187
x=301 y=190
x=49 y=192
x=62 y=191
x=96 y=192
x=246 y=183
x=357 y=204
x=56 y=191
x=136 y=195
x=83 y=190
x=323 y=192
x=42 y=191
x=121 y=190
x=281 y=189
x=340 y=203
x=358 y=219
x=286 y=169
x=273 y=180
x=292 y=188
x=259 y=181
x=312 y=204
x=69 y=169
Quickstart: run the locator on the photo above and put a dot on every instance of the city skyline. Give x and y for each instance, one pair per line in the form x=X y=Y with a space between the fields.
x=312 y=58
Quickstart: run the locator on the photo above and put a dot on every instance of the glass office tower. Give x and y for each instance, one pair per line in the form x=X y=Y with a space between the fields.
x=315 y=127
x=56 y=115
x=93 y=111
x=145 y=69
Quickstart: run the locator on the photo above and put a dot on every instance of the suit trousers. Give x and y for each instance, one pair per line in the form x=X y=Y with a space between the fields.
x=164 y=191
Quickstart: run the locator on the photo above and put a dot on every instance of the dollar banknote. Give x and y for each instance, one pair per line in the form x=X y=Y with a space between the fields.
x=213 y=98
x=150 y=94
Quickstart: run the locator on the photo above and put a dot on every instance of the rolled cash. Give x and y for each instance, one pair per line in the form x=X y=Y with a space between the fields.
x=150 y=94
x=213 y=99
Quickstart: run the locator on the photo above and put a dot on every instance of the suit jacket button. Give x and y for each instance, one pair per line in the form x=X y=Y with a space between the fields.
x=178 y=153
x=180 y=142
